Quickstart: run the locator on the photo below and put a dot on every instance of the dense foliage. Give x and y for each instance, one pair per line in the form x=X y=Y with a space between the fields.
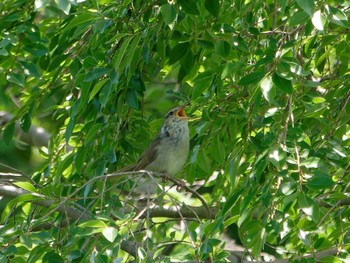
x=268 y=94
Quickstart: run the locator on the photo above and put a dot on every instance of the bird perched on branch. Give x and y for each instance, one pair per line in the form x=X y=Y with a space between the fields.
x=168 y=152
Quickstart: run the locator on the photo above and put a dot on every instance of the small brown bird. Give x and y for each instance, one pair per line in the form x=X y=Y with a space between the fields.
x=168 y=152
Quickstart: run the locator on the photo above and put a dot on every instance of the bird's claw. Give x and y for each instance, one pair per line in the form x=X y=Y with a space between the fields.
x=181 y=185
x=165 y=177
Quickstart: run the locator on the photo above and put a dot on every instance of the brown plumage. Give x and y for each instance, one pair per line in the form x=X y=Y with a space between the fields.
x=169 y=150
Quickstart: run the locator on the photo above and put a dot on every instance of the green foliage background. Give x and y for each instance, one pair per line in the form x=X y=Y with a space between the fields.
x=267 y=82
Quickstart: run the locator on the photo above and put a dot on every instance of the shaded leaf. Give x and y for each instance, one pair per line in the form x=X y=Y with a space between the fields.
x=169 y=13
x=8 y=132
x=213 y=6
x=96 y=73
x=189 y=6
x=178 y=52
x=251 y=78
x=282 y=84
x=320 y=181
x=222 y=48
x=80 y=20
x=26 y=122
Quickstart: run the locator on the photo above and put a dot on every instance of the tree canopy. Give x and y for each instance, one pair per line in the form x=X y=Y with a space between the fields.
x=85 y=86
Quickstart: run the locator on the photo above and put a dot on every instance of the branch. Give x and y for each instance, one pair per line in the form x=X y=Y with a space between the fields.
x=342 y=202
x=70 y=211
x=317 y=255
x=178 y=183
x=74 y=213
x=183 y=212
x=36 y=136
x=82 y=214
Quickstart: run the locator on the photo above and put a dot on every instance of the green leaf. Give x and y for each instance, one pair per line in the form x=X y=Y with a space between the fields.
x=26 y=122
x=318 y=20
x=96 y=73
x=311 y=162
x=189 y=6
x=97 y=88
x=169 y=13
x=110 y=233
x=337 y=16
x=100 y=168
x=132 y=52
x=94 y=224
x=8 y=132
x=93 y=132
x=203 y=81
x=231 y=201
x=320 y=181
x=26 y=186
x=188 y=62
x=52 y=257
x=205 y=43
x=218 y=150
x=16 y=78
x=282 y=84
x=32 y=68
x=268 y=89
x=80 y=19
x=318 y=100
x=178 y=52
x=307 y=5
x=251 y=78
x=213 y=6
x=298 y=18
x=222 y=48
x=79 y=159
x=69 y=128
x=64 y=6
x=105 y=93
x=309 y=207
x=119 y=55
x=132 y=99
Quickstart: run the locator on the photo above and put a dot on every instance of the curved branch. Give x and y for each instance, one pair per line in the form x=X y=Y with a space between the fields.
x=36 y=136
x=72 y=212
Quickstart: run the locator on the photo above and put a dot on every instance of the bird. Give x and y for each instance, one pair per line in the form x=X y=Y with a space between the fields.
x=168 y=152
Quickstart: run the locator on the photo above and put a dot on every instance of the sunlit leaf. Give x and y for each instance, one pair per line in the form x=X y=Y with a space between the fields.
x=267 y=89
x=318 y=20
x=307 y=5
x=110 y=233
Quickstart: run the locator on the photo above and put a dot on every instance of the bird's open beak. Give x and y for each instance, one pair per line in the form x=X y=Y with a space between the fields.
x=181 y=113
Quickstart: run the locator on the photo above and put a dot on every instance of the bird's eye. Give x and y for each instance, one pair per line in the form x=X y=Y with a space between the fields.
x=171 y=113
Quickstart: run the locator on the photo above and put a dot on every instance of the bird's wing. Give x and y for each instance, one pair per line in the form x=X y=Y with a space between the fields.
x=148 y=156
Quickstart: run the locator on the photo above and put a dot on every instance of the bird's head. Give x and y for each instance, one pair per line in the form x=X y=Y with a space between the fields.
x=176 y=113
x=175 y=122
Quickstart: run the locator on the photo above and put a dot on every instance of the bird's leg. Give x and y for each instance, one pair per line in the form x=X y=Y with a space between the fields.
x=165 y=177
x=181 y=185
